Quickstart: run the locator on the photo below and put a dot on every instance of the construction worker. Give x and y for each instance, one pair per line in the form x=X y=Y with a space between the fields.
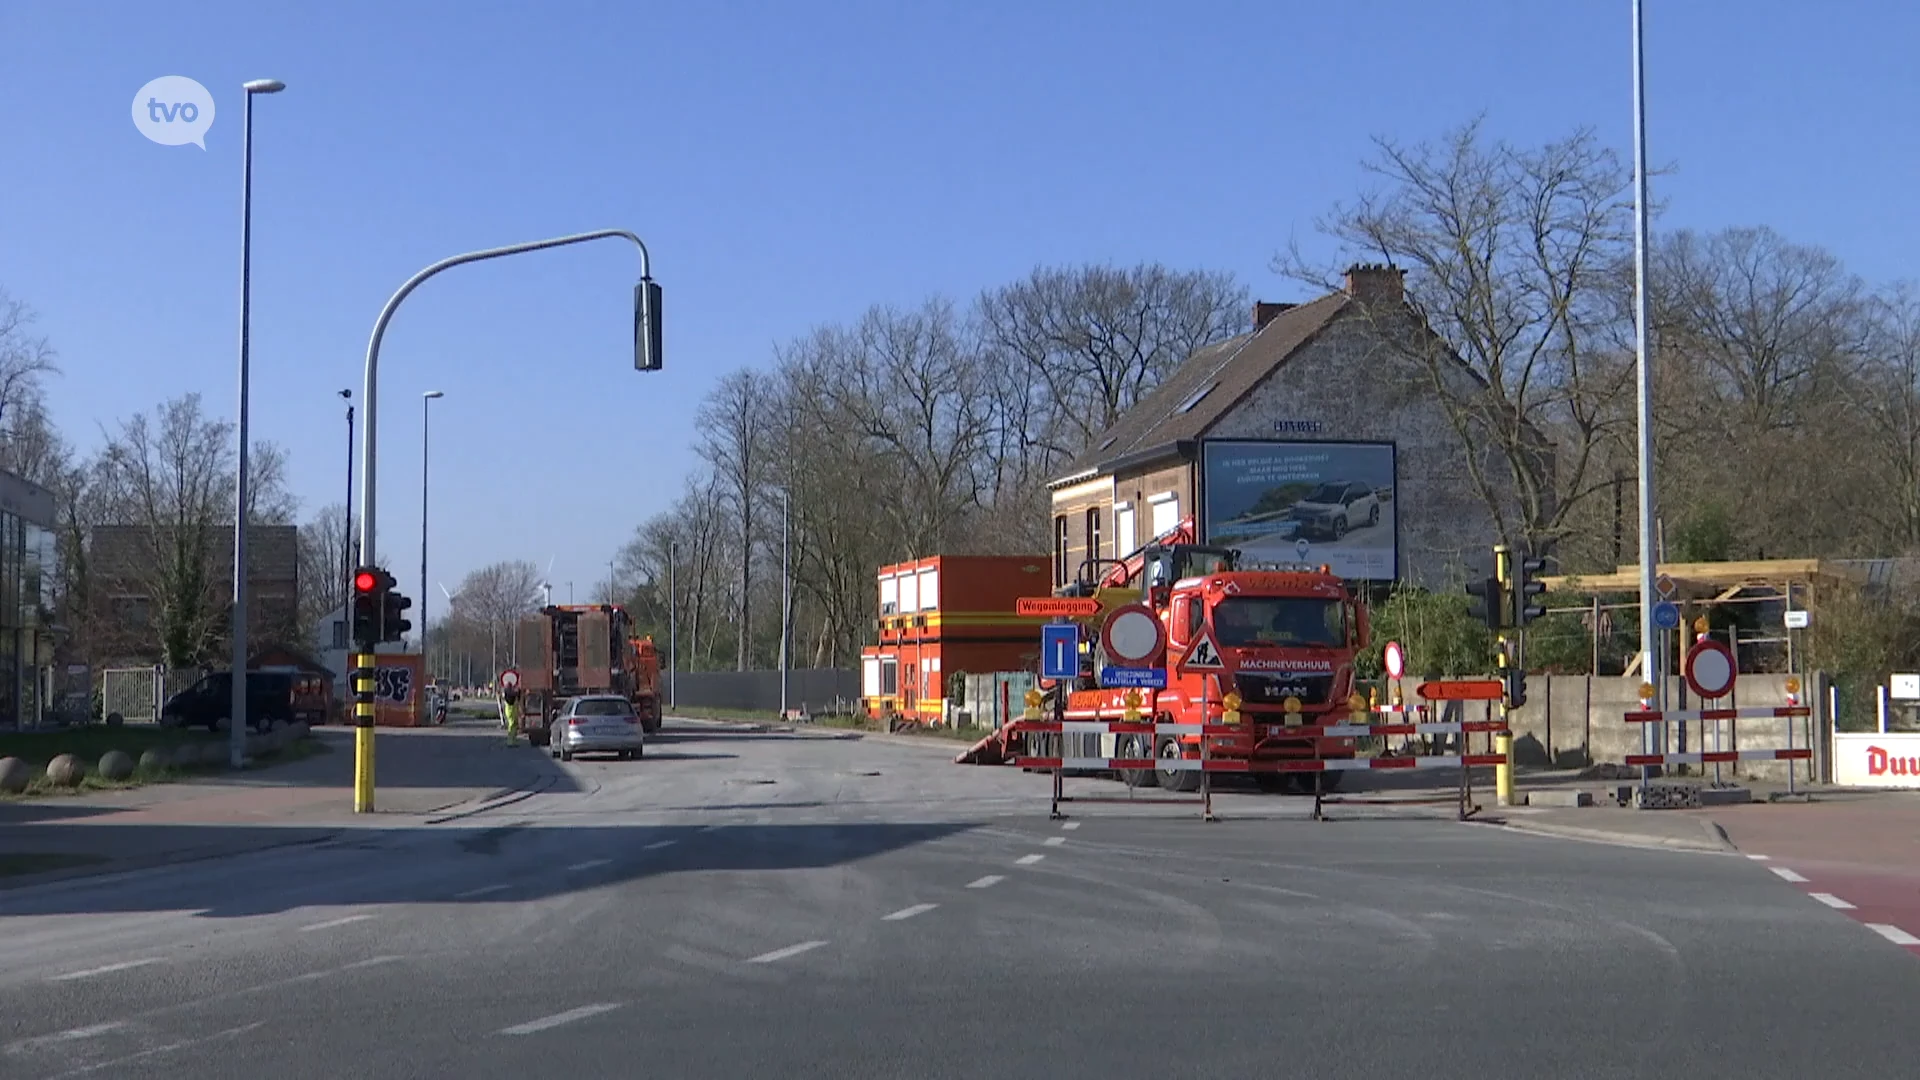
x=510 y=714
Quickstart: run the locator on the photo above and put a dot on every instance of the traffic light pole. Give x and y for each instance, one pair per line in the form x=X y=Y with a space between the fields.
x=363 y=678
x=1503 y=742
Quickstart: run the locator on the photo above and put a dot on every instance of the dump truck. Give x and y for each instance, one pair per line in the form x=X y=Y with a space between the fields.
x=569 y=650
x=1287 y=635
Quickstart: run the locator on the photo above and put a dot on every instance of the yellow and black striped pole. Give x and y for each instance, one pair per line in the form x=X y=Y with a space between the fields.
x=363 y=679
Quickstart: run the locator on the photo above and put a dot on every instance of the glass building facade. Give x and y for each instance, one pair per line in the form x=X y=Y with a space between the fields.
x=26 y=572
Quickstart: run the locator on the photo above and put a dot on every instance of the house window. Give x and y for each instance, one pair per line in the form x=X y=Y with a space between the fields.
x=1093 y=532
x=1060 y=549
x=1123 y=541
x=1187 y=405
x=1166 y=512
x=339 y=633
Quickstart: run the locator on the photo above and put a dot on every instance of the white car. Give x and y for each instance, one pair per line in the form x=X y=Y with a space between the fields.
x=1336 y=508
x=597 y=724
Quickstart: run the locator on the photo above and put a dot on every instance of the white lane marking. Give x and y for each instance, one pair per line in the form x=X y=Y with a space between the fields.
x=782 y=954
x=1028 y=860
x=557 y=1019
x=331 y=923
x=481 y=891
x=987 y=882
x=124 y=965
x=42 y=1042
x=1070 y=826
x=589 y=864
x=1786 y=874
x=1893 y=934
x=908 y=912
x=657 y=845
x=315 y=976
x=166 y=1049
x=1758 y=858
x=1831 y=901
x=1056 y=841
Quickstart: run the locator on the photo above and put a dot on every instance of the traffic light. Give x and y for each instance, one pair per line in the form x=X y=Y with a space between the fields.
x=393 y=626
x=1488 y=605
x=648 y=341
x=1513 y=676
x=1525 y=588
x=366 y=607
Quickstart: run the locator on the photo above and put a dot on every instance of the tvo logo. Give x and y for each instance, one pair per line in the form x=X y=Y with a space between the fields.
x=174 y=110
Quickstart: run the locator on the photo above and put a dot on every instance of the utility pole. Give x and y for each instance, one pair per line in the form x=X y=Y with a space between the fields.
x=786 y=592
x=1653 y=664
x=673 y=629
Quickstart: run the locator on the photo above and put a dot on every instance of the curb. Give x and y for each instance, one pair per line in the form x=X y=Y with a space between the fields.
x=115 y=867
x=1713 y=842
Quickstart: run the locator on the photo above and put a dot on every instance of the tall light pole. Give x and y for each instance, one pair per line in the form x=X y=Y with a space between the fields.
x=346 y=542
x=648 y=354
x=237 y=718
x=1653 y=664
x=786 y=592
x=426 y=400
x=673 y=629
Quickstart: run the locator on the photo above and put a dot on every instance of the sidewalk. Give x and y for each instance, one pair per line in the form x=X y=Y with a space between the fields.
x=421 y=776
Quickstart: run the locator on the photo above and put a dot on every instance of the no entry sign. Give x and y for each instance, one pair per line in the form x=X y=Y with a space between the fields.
x=1710 y=668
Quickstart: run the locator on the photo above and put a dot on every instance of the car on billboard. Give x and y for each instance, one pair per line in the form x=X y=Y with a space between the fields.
x=1336 y=508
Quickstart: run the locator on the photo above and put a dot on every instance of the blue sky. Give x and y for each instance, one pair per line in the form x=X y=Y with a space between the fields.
x=790 y=164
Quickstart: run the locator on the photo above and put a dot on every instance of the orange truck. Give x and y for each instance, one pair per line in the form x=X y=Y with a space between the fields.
x=571 y=650
x=1286 y=637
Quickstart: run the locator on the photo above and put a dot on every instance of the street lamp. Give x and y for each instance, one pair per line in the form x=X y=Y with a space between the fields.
x=346 y=542
x=237 y=719
x=426 y=399
x=1653 y=664
x=786 y=592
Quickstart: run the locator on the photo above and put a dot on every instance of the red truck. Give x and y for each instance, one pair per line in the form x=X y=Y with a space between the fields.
x=570 y=650
x=1287 y=636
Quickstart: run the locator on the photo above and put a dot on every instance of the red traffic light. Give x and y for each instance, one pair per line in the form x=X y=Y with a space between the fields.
x=365 y=581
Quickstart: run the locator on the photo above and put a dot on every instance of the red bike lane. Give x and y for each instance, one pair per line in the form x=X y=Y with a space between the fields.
x=1858 y=853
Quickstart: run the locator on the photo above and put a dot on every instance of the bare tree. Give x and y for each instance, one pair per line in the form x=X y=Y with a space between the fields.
x=1510 y=253
x=494 y=598
x=25 y=360
x=734 y=421
x=323 y=576
x=1090 y=341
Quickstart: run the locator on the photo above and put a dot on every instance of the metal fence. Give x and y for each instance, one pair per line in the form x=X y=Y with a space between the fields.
x=137 y=693
x=817 y=690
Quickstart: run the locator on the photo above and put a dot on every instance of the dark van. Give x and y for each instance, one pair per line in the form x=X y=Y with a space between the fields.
x=209 y=702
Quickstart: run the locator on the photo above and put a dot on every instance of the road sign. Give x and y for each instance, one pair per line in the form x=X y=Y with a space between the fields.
x=1710 y=669
x=1905 y=687
x=1203 y=655
x=1664 y=587
x=1060 y=651
x=1133 y=636
x=1463 y=690
x=1056 y=607
x=1798 y=620
x=1395 y=660
x=1146 y=678
x=1666 y=615
x=510 y=679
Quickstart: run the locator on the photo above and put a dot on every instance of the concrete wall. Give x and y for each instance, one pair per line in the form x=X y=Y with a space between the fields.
x=759 y=691
x=1357 y=386
x=1576 y=720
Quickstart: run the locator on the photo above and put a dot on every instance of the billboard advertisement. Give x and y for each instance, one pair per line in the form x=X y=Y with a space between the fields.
x=1327 y=503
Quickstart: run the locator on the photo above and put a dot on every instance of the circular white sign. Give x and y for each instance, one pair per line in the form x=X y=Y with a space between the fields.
x=1395 y=660
x=509 y=679
x=1710 y=669
x=1133 y=635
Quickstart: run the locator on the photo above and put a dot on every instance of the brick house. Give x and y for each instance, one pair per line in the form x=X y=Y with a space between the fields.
x=122 y=561
x=1315 y=382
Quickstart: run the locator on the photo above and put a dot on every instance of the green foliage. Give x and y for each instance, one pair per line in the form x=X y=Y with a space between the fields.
x=1439 y=635
x=1859 y=640
x=1704 y=535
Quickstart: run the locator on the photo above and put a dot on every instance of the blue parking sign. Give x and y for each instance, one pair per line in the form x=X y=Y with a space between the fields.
x=1060 y=651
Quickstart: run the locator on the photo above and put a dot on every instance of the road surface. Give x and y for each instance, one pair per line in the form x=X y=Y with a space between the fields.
x=745 y=904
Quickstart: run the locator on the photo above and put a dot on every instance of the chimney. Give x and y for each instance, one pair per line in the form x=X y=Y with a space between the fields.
x=1373 y=283
x=1264 y=313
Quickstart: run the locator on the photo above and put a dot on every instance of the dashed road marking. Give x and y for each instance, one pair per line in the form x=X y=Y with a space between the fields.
x=1055 y=841
x=1786 y=874
x=124 y=965
x=1831 y=901
x=1758 y=858
x=557 y=1019
x=1893 y=934
x=589 y=864
x=47 y=1042
x=1028 y=860
x=908 y=912
x=658 y=844
x=331 y=923
x=1070 y=826
x=782 y=954
x=987 y=882
x=481 y=891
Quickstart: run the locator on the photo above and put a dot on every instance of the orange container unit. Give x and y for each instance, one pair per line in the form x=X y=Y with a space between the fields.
x=944 y=616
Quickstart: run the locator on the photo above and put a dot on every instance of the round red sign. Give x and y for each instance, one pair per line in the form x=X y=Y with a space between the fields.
x=1710 y=668
x=1132 y=636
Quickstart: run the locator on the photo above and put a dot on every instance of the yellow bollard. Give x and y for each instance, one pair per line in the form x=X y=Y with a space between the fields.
x=363 y=770
x=1503 y=772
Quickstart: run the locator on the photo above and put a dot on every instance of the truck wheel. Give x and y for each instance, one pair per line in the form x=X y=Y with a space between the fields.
x=1135 y=746
x=1168 y=748
x=1274 y=783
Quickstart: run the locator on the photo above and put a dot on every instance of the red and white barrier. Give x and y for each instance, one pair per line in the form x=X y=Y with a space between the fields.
x=1709 y=757
x=1654 y=716
x=1257 y=731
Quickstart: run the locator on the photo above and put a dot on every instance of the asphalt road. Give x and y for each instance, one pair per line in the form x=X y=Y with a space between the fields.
x=747 y=905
